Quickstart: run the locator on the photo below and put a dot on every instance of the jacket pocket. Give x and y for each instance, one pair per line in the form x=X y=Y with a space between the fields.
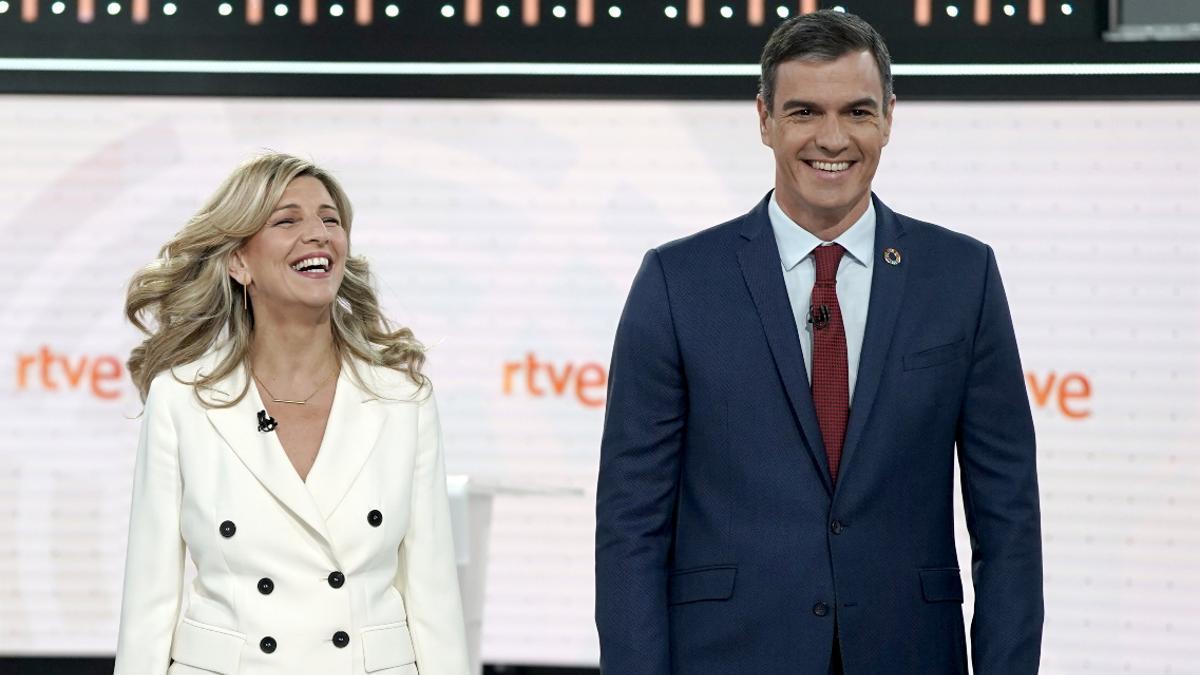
x=389 y=646
x=209 y=648
x=941 y=585
x=703 y=583
x=934 y=356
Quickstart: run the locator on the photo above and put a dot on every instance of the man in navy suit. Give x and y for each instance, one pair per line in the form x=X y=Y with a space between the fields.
x=787 y=393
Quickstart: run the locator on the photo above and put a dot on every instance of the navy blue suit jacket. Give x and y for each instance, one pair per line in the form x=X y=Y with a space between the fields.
x=722 y=545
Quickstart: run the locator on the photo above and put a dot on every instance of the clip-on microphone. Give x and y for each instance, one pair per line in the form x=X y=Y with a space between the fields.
x=266 y=422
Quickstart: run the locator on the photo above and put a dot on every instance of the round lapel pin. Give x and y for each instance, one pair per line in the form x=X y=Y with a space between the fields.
x=891 y=256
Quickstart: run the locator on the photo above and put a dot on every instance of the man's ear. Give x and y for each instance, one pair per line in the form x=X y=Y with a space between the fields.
x=887 y=120
x=764 y=120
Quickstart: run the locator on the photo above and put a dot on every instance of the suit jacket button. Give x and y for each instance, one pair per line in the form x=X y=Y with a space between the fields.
x=836 y=527
x=336 y=579
x=267 y=644
x=341 y=639
x=375 y=518
x=820 y=609
x=228 y=529
x=265 y=586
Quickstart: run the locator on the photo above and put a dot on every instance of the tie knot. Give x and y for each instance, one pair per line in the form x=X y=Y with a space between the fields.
x=827 y=259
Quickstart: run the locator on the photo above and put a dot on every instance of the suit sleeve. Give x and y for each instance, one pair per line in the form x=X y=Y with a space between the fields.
x=639 y=474
x=427 y=576
x=154 y=559
x=997 y=455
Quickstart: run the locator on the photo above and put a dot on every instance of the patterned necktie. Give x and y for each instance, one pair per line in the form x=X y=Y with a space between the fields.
x=830 y=381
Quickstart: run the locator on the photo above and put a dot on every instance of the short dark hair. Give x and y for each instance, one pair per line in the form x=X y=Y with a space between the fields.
x=825 y=35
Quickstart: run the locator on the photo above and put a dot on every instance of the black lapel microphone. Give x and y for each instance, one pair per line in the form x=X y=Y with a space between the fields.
x=818 y=316
x=266 y=422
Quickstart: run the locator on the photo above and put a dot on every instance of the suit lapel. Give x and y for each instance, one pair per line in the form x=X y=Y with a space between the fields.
x=887 y=292
x=355 y=421
x=763 y=273
x=261 y=453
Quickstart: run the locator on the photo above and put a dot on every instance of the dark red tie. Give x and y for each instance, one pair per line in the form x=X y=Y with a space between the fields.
x=830 y=381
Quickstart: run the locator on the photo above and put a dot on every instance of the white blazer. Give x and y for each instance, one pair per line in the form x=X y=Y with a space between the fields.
x=349 y=572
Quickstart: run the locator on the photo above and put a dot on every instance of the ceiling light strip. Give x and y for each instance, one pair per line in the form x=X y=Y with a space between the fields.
x=756 y=12
x=923 y=12
x=983 y=12
x=254 y=12
x=560 y=69
x=1037 y=12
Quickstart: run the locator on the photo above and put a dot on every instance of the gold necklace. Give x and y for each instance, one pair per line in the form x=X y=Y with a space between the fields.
x=284 y=400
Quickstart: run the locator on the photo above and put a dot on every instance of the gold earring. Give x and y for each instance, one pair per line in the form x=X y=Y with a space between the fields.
x=245 y=299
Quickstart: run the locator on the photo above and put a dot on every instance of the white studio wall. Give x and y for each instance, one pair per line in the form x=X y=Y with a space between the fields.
x=506 y=235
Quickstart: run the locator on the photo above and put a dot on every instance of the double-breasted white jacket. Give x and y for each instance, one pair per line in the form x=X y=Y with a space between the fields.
x=350 y=572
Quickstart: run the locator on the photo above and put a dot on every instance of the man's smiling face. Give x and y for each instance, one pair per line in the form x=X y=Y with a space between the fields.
x=827 y=130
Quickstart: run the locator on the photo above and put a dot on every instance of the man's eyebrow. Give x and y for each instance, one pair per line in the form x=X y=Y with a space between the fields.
x=797 y=103
x=865 y=102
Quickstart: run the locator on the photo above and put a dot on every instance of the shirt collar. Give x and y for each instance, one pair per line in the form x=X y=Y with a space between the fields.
x=796 y=243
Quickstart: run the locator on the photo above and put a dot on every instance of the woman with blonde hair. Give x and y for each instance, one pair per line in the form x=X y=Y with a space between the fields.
x=290 y=444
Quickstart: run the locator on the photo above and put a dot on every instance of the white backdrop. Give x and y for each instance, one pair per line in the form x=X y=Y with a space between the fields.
x=507 y=233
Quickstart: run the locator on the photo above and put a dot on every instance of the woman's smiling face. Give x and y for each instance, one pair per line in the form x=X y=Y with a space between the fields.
x=297 y=260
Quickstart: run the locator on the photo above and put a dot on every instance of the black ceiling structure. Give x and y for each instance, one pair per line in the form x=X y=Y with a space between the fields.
x=691 y=49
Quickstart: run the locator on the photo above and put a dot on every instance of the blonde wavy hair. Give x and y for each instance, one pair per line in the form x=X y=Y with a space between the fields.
x=186 y=303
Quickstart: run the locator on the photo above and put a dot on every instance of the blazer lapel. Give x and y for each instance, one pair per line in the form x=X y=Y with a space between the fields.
x=355 y=421
x=261 y=453
x=763 y=273
x=887 y=292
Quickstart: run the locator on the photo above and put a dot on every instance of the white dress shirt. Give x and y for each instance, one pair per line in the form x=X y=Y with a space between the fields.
x=796 y=245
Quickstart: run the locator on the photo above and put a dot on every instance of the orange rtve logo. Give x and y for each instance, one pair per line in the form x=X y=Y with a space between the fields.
x=47 y=370
x=587 y=381
x=1069 y=393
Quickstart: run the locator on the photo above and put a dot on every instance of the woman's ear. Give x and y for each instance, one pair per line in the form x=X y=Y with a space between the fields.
x=238 y=269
